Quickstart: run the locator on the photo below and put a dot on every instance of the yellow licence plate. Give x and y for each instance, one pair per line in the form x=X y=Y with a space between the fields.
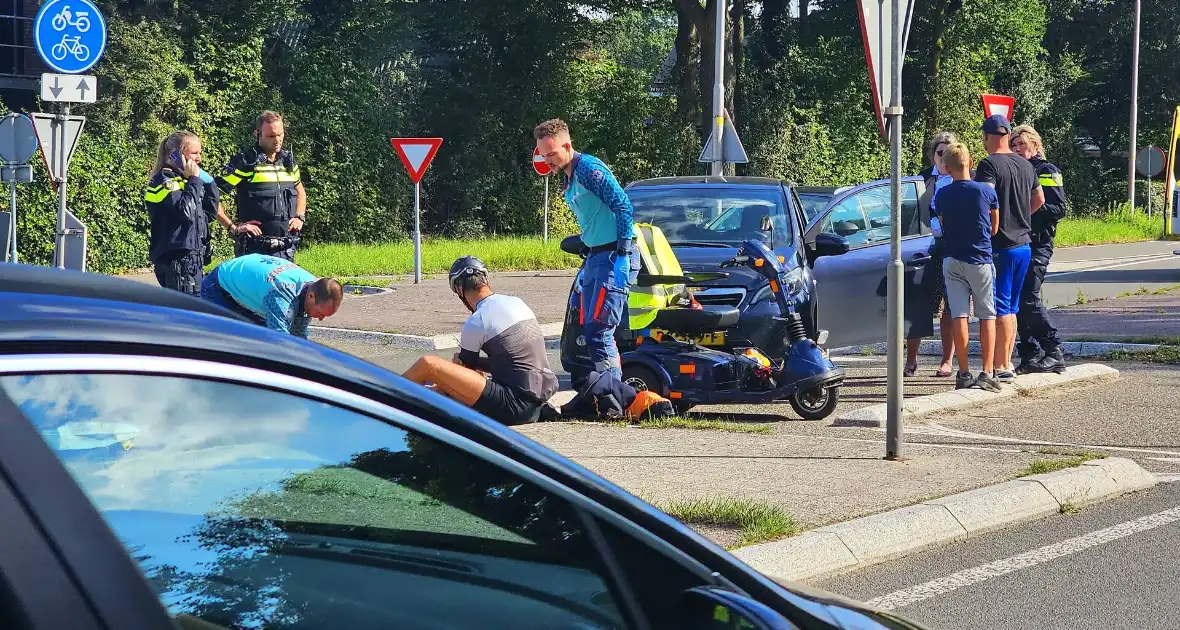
x=707 y=339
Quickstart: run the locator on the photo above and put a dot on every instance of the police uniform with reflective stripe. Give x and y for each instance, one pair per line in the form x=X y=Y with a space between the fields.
x=1032 y=319
x=178 y=229
x=265 y=191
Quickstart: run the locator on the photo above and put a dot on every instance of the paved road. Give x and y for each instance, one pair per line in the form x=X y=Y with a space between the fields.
x=1106 y=271
x=1111 y=566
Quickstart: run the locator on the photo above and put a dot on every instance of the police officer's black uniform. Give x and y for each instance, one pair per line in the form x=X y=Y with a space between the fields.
x=265 y=192
x=1032 y=320
x=179 y=229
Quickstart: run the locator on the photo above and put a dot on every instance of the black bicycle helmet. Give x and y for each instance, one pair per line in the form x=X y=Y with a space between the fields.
x=464 y=268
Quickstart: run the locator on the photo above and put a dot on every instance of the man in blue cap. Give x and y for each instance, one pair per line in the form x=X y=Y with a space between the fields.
x=1020 y=195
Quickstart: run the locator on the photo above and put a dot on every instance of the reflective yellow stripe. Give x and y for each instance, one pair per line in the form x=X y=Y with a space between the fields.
x=156 y=196
x=1051 y=179
x=232 y=179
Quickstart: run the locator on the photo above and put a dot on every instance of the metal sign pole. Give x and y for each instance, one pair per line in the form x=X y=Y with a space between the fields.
x=417 y=237
x=545 y=223
x=61 y=188
x=896 y=271
x=1134 y=108
x=719 y=89
x=12 y=218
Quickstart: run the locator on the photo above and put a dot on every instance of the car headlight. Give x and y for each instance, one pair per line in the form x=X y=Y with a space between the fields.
x=794 y=286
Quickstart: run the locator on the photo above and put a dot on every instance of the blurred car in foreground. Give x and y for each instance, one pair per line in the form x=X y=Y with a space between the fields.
x=166 y=464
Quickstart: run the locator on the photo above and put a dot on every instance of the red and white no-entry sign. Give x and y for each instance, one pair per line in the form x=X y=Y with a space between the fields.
x=998 y=104
x=539 y=164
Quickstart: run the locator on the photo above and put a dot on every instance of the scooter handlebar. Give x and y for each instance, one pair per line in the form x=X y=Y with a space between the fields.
x=735 y=261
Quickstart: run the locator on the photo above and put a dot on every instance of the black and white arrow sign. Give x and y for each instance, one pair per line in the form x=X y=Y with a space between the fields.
x=69 y=88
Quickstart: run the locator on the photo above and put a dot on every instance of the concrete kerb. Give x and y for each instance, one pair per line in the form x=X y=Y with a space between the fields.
x=447 y=341
x=874 y=416
x=862 y=542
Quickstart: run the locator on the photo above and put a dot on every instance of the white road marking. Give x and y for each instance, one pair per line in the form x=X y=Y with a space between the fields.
x=940 y=430
x=1059 y=274
x=982 y=573
x=1164 y=459
x=1168 y=477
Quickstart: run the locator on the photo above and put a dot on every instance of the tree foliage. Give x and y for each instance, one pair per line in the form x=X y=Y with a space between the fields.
x=633 y=78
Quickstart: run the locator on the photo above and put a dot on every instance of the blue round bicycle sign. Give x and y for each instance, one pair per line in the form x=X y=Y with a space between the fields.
x=70 y=35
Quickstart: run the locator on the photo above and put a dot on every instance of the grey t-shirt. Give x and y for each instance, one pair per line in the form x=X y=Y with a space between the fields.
x=505 y=328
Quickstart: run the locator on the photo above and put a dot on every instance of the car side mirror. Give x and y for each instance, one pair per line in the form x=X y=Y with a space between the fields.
x=845 y=228
x=766 y=225
x=707 y=608
x=830 y=245
x=573 y=245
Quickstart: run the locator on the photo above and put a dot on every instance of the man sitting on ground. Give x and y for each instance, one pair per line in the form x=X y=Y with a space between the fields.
x=518 y=379
x=272 y=292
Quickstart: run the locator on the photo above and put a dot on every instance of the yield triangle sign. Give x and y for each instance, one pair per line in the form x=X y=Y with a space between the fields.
x=998 y=104
x=416 y=154
x=57 y=144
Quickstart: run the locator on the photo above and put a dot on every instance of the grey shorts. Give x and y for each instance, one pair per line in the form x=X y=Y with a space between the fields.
x=966 y=282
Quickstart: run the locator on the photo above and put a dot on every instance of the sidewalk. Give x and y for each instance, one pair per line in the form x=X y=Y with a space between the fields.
x=817 y=480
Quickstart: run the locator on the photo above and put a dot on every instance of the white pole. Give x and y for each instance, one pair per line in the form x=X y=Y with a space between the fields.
x=545 y=225
x=417 y=237
x=895 y=283
x=719 y=88
x=1134 y=107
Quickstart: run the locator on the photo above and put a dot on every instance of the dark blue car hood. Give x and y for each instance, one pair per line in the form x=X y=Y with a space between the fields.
x=709 y=259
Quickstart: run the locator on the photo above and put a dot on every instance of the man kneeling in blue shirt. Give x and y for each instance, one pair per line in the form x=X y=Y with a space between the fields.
x=969 y=213
x=272 y=292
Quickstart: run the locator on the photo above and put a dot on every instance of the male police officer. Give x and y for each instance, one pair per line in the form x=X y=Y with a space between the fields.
x=269 y=189
x=604 y=215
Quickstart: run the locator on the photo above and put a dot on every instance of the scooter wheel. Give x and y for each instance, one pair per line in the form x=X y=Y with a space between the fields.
x=816 y=403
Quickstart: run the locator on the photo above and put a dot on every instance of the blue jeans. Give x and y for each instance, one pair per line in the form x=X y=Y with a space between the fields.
x=606 y=285
x=211 y=291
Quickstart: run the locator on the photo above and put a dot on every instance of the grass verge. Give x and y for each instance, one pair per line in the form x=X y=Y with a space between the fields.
x=755 y=521
x=699 y=424
x=499 y=254
x=1041 y=466
x=1117 y=225
x=1166 y=355
x=1157 y=340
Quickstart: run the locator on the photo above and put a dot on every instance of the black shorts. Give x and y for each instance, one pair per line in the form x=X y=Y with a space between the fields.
x=506 y=404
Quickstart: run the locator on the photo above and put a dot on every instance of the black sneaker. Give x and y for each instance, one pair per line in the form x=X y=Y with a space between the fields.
x=964 y=380
x=987 y=382
x=1053 y=361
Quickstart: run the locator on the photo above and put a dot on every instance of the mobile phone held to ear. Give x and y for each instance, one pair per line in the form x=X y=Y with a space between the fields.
x=177 y=160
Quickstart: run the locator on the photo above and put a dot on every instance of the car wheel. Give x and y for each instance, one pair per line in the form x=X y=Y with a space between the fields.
x=643 y=379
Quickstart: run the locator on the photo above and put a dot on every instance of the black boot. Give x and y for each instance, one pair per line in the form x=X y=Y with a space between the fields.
x=1052 y=361
x=1028 y=356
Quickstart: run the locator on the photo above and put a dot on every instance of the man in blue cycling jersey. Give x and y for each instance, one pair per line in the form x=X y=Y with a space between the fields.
x=272 y=292
x=604 y=215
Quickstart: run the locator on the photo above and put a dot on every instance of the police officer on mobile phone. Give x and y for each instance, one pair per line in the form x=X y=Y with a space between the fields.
x=268 y=186
x=179 y=224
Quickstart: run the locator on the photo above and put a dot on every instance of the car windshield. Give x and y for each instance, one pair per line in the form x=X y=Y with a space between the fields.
x=724 y=216
x=814 y=203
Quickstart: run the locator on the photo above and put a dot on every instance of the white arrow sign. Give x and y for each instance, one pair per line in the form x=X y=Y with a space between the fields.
x=58 y=139
x=69 y=88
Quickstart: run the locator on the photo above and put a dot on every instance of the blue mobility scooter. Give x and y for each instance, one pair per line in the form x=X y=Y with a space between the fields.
x=690 y=374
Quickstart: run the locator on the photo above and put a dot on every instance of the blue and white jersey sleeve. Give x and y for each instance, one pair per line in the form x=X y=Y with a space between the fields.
x=596 y=178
